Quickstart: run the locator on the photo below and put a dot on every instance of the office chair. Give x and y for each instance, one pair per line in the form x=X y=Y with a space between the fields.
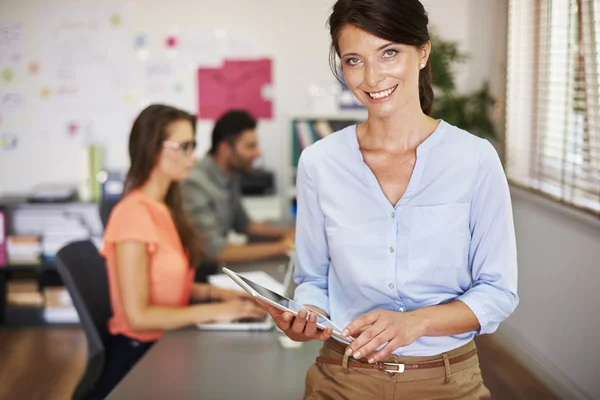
x=83 y=271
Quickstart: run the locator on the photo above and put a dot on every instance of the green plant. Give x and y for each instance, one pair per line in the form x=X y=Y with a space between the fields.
x=468 y=111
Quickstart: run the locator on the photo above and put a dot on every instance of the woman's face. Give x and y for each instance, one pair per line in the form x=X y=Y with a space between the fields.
x=384 y=76
x=177 y=156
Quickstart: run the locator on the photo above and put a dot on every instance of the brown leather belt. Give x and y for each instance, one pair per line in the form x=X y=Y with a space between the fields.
x=390 y=367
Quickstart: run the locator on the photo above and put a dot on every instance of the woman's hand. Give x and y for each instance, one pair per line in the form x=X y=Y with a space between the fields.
x=300 y=329
x=379 y=327
x=238 y=308
x=227 y=294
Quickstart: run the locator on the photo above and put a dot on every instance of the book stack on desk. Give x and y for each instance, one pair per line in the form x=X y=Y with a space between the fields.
x=24 y=293
x=23 y=250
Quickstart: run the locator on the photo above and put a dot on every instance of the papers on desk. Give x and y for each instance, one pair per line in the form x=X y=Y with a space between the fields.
x=260 y=277
x=263 y=208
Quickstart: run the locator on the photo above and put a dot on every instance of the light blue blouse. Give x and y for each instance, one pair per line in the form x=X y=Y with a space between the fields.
x=450 y=236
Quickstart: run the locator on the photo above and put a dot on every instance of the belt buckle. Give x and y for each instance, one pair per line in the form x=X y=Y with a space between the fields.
x=400 y=368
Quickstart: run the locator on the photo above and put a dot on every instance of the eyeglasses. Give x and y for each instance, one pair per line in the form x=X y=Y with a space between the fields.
x=187 y=147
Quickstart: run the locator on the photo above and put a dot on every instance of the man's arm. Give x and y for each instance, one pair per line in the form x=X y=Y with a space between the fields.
x=253 y=252
x=215 y=245
x=243 y=223
x=269 y=231
x=197 y=204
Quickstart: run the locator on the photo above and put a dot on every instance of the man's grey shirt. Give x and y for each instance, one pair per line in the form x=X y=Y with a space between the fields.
x=213 y=201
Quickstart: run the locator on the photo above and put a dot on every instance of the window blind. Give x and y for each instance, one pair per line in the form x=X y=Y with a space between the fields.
x=553 y=99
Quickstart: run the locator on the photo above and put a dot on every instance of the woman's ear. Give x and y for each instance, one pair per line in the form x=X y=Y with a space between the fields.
x=424 y=53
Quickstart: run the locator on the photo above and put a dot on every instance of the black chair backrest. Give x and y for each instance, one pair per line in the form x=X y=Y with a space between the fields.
x=83 y=271
x=106 y=207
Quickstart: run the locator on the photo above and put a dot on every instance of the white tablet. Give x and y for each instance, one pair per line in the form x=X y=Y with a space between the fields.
x=283 y=303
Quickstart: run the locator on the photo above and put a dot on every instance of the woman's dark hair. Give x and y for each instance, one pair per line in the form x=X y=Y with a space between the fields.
x=148 y=133
x=399 y=21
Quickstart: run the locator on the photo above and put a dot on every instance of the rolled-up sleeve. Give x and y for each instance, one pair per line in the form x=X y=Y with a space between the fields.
x=492 y=254
x=312 y=252
x=241 y=220
x=197 y=205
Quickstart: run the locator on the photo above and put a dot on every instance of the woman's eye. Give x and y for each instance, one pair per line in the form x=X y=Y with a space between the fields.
x=390 y=53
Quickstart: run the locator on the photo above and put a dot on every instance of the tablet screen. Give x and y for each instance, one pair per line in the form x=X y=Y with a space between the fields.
x=287 y=303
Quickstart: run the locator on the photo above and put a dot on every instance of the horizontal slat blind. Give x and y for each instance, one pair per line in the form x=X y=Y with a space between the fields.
x=553 y=99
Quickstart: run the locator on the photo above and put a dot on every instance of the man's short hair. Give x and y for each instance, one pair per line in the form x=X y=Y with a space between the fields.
x=230 y=126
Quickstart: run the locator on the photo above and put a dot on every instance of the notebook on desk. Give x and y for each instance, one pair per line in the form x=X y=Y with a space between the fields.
x=265 y=324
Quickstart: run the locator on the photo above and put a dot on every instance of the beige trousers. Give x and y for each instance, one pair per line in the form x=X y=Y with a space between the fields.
x=457 y=381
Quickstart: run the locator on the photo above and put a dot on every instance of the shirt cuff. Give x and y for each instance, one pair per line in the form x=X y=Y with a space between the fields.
x=470 y=300
x=308 y=293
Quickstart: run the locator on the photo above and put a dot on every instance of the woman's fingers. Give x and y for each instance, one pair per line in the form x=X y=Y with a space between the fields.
x=300 y=322
x=302 y=327
x=311 y=329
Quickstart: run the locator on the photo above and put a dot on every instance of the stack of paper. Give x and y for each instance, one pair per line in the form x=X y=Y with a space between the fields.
x=56 y=236
x=23 y=249
x=58 y=306
x=61 y=316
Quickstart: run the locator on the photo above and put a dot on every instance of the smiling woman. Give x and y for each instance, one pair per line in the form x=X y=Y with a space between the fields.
x=404 y=226
x=397 y=48
x=374 y=68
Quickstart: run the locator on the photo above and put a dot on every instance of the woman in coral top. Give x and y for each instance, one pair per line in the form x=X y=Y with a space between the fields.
x=150 y=247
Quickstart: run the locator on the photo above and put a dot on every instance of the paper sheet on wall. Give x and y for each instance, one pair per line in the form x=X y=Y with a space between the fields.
x=12 y=102
x=8 y=141
x=241 y=84
x=210 y=48
x=12 y=44
x=160 y=76
x=241 y=47
x=86 y=60
x=203 y=48
x=84 y=127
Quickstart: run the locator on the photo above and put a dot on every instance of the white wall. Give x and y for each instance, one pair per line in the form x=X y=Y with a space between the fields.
x=555 y=327
x=293 y=32
x=479 y=26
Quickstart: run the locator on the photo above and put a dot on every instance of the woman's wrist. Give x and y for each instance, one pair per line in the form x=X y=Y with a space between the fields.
x=202 y=292
x=421 y=324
